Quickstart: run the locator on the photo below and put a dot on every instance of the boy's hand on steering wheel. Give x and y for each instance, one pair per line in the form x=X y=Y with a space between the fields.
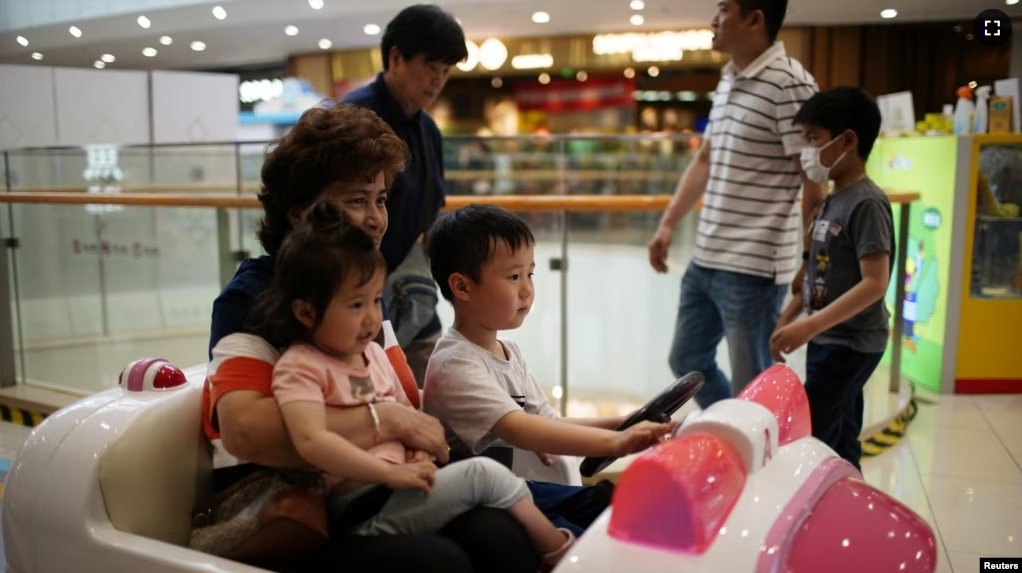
x=417 y=475
x=640 y=437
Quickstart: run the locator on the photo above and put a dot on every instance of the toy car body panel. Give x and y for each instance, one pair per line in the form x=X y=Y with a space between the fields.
x=744 y=488
x=55 y=515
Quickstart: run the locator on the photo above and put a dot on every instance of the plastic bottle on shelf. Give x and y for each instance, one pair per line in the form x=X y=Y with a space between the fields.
x=980 y=123
x=964 y=111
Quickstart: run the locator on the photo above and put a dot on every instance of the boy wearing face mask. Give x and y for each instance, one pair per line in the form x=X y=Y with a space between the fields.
x=848 y=262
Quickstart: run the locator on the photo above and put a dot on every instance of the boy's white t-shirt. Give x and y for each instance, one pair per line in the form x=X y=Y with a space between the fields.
x=469 y=390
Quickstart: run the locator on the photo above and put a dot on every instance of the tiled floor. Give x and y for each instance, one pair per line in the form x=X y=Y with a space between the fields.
x=960 y=467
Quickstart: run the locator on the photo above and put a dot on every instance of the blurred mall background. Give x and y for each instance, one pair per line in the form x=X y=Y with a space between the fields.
x=608 y=98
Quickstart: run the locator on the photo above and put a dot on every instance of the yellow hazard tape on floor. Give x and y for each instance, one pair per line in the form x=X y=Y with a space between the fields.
x=21 y=416
x=892 y=434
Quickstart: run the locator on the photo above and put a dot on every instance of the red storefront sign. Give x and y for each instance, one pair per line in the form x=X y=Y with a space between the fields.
x=572 y=95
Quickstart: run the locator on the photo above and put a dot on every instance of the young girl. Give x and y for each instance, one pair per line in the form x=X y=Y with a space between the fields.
x=324 y=306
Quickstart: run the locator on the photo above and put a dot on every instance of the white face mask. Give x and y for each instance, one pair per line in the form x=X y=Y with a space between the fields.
x=815 y=170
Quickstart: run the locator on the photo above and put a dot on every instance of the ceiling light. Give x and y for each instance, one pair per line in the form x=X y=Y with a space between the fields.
x=108 y=58
x=166 y=40
x=291 y=30
x=472 y=60
x=582 y=76
x=144 y=22
x=75 y=31
x=23 y=40
x=99 y=64
x=198 y=46
x=219 y=13
x=325 y=44
x=629 y=73
x=1011 y=2
x=316 y=4
x=541 y=17
x=492 y=54
x=889 y=13
x=149 y=52
x=544 y=78
x=37 y=56
x=371 y=29
x=496 y=82
x=638 y=5
x=653 y=71
x=637 y=20
x=532 y=61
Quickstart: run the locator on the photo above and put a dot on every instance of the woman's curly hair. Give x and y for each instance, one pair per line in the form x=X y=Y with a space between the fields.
x=331 y=144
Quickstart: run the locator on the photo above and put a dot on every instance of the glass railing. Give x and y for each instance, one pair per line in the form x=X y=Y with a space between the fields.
x=95 y=286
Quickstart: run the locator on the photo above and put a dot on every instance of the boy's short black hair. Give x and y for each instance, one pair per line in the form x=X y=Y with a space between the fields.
x=312 y=265
x=774 y=12
x=464 y=240
x=840 y=109
x=425 y=29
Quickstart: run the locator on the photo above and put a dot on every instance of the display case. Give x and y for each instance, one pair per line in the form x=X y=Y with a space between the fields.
x=962 y=306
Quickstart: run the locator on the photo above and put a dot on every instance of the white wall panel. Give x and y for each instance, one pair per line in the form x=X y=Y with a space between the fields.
x=26 y=107
x=102 y=106
x=194 y=107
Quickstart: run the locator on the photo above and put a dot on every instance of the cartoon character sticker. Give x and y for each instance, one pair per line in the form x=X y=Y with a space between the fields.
x=362 y=388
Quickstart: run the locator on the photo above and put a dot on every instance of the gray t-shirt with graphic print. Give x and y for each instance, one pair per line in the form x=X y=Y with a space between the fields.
x=850 y=224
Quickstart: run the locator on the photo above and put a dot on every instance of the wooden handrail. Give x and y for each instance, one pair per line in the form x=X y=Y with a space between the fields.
x=611 y=203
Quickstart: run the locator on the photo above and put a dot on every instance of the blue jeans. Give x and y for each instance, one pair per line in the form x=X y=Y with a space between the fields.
x=572 y=507
x=715 y=304
x=835 y=377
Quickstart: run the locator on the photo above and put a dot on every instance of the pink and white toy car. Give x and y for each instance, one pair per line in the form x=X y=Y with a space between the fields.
x=743 y=487
x=108 y=485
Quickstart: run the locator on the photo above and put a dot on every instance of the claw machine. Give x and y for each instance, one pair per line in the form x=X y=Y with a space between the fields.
x=962 y=309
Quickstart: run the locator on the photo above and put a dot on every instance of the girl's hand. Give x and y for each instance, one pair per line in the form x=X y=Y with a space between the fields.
x=418 y=456
x=418 y=475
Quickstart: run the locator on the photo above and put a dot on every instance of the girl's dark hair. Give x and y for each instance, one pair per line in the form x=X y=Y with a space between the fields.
x=312 y=265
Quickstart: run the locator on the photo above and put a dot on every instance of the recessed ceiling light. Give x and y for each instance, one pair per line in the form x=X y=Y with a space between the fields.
x=291 y=30
x=629 y=73
x=371 y=29
x=23 y=40
x=637 y=20
x=325 y=44
x=544 y=78
x=219 y=13
x=37 y=56
x=144 y=22
x=166 y=40
x=653 y=71
x=1011 y=2
x=149 y=52
x=541 y=17
x=108 y=58
x=889 y=13
x=316 y=4
x=99 y=64
x=582 y=76
x=638 y=5
x=198 y=46
x=75 y=31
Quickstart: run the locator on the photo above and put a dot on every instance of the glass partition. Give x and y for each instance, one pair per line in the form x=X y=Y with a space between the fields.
x=97 y=286
x=997 y=244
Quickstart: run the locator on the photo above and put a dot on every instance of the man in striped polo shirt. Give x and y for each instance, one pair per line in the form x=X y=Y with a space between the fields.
x=748 y=174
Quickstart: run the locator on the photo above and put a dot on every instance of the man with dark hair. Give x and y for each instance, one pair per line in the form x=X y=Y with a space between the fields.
x=748 y=176
x=420 y=45
x=847 y=269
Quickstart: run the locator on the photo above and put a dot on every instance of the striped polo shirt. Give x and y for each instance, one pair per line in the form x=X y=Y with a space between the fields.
x=751 y=209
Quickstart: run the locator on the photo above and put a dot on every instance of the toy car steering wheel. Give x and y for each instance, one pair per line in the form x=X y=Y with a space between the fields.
x=659 y=409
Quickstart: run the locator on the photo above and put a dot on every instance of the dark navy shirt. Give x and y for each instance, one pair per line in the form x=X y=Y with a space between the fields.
x=407 y=196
